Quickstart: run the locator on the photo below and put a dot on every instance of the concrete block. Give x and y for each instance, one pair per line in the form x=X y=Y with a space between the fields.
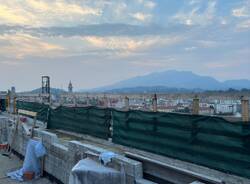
x=48 y=138
x=144 y=181
x=60 y=158
x=131 y=167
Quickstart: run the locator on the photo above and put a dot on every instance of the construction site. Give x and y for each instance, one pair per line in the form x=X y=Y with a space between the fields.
x=42 y=142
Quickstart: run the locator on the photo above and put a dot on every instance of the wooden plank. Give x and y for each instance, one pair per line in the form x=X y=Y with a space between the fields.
x=32 y=114
x=25 y=112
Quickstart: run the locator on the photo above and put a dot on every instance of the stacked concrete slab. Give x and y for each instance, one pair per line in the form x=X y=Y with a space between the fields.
x=60 y=159
x=3 y=129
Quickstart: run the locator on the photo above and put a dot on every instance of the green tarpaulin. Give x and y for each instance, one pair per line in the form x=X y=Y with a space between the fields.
x=2 y=105
x=41 y=109
x=204 y=140
x=87 y=120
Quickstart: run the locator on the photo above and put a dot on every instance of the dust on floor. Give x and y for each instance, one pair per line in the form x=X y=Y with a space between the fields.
x=7 y=165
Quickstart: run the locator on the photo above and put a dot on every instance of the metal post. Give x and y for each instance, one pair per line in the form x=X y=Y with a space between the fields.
x=8 y=102
x=74 y=100
x=196 y=106
x=105 y=101
x=126 y=100
x=154 y=103
x=245 y=109
x=14 y=105
x=46 y=88
x=87 y=101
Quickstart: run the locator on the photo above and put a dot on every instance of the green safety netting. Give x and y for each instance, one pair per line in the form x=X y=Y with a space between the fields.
x=204 y=140
x=87 y=120
x=41 y=109
x=2 y=105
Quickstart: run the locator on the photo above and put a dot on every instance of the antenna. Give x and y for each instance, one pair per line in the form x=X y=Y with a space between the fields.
x=46 y=88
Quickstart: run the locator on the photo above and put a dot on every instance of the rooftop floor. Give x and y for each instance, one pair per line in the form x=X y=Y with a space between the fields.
x=7 y=165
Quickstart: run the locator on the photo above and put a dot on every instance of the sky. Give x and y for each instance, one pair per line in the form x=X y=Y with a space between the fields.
x=95 y=43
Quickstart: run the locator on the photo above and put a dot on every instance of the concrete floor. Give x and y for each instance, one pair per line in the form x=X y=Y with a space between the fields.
x=7 y=165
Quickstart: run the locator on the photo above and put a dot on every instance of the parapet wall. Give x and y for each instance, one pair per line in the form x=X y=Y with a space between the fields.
x=63 y=155
x=60 y=158
x=204 y=140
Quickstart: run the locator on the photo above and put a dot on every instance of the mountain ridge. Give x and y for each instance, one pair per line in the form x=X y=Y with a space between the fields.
x=178 y=80
x=54 y=91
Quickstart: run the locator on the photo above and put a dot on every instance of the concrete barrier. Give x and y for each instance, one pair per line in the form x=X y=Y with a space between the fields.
x=61 y=158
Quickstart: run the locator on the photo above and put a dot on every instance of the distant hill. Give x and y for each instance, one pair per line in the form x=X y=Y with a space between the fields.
x=172 y=79
x=237 y=84
x=54 y=91
x=152 y=89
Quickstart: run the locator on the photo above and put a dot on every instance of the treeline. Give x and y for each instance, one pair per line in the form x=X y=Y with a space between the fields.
x=230 y=90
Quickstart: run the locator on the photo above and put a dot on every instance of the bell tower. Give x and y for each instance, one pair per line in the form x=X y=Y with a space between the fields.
x=70 y=87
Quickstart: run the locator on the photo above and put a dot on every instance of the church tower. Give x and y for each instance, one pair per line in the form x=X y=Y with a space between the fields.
x=70 y=87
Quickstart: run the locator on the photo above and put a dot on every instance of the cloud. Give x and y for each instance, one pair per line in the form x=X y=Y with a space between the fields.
x=10 y=63
x=150 y=4
x=224 y=64
x=93 y=30
x=61 y=8
x=190 y=48
x=216 y=65
x=129 y=44
x=141 y=16
x=192 y=2
x=197 y=16
x=240 y=12
x=130 y=12
x=20 y=45
x=114 y=39
x=44 y=13
x=223 y=21
x=14 y=15
x=244 y=25
x=122 y=37
x=147 y=3
x=41 y=13
x=117 y=43
x=159 y=63
x=207 y=43
x=243 y=11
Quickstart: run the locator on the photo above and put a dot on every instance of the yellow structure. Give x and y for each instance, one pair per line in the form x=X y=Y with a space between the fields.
x=245 y=109
x=196 y=105
x=154 y=103
x=8 y=103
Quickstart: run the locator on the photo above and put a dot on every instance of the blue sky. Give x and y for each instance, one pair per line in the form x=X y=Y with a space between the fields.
x=98 y=42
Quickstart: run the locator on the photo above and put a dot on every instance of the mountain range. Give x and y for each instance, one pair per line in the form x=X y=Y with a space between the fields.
x=170 y=81
x=174 y=80
x=54 y=91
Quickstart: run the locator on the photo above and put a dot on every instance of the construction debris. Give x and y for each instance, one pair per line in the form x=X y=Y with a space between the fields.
x=31 y=166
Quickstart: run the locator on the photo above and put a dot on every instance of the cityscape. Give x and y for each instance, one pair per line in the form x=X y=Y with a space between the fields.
x=125 y=91
x=223 y=103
